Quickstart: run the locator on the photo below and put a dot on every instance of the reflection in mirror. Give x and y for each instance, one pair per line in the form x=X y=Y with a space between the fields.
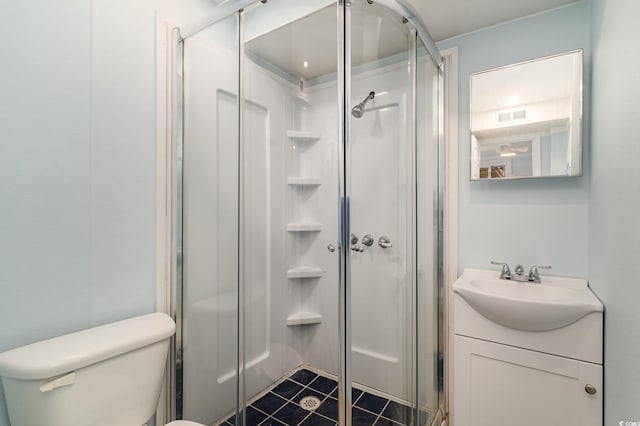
x=526 y=119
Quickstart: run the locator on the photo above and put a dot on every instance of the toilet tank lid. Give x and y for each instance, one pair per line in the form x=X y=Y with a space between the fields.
x=60 y=355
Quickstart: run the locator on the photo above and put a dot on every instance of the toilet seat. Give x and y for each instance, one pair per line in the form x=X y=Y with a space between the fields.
x=183 y=423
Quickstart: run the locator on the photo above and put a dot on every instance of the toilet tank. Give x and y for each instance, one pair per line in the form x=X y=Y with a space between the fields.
x=104 y=376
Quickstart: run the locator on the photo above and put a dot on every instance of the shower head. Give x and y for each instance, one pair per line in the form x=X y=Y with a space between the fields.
x=358 y=110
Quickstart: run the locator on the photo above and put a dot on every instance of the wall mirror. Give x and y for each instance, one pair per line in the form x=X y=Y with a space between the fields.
x=526 y=119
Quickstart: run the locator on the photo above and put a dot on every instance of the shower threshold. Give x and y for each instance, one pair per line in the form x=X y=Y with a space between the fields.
x=308 y=396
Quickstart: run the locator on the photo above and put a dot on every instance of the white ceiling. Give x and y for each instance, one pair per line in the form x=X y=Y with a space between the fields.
x=448 y=18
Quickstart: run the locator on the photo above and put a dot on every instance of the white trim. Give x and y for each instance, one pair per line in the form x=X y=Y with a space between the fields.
x=163 y=234
x=450 y=209
x=164 y=190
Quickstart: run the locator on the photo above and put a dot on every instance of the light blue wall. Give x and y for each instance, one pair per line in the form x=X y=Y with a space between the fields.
x=45 y=172
x=539 y=221
x=614 y=207
x=77 y=165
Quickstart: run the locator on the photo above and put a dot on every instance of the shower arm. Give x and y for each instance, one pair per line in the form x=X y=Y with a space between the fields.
x=371 y=95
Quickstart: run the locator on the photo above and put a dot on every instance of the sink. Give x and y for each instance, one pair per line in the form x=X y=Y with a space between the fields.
x=554 y=303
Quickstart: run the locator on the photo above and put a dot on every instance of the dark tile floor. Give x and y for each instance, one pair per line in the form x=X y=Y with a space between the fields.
x=280 y=406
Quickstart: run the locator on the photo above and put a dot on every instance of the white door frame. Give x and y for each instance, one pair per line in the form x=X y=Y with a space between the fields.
x=166 y=51
x=450 y=248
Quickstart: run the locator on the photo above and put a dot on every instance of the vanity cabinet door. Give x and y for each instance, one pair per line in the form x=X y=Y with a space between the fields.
x=499 y=385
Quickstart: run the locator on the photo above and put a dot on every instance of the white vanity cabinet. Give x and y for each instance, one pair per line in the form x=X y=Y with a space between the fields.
x=504 y=376
x=500 y=385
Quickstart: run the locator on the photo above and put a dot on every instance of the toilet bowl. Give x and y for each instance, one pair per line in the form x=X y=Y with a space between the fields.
x=103 y=376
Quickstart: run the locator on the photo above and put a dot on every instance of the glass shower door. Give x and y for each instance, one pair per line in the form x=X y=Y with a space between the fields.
x=392 y=220
x=309 y=207
x=290 y=253
x=207 y=350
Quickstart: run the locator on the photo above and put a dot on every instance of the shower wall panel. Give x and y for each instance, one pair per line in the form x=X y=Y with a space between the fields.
x=381 y=289
x=267 y=298
x=211 y=259
x=210 y=241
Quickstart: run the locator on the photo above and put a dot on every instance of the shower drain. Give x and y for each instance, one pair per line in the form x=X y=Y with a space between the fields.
x=309 y=403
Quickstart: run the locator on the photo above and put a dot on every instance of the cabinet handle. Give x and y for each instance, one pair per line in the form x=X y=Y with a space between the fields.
x=590 y=389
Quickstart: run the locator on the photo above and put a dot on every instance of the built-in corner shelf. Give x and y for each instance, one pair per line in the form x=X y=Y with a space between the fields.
x=305 y=272
x=304 y=227
x=301 y=136
x=304 y=318
x=304 y=181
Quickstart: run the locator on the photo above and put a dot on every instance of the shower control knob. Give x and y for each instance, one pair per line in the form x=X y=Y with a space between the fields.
x=384 y=242
x=367 y=240
x=331 y=248
x=590 y=389
x=354 y=238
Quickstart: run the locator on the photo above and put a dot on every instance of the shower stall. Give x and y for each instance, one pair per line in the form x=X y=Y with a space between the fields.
x=308 y=251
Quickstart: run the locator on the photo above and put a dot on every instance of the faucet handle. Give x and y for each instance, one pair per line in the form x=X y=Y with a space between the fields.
x=367 y=240
x=534 y=275
x=506 y=272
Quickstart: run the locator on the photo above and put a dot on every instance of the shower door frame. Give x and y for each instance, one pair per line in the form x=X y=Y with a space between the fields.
x=171 y=300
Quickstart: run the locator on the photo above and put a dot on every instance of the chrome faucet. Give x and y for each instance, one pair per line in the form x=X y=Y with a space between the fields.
x=506 y=272
x=518 y=274
x=534 y=275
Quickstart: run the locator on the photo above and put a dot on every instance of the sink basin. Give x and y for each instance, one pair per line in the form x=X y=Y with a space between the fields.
x=554 y=303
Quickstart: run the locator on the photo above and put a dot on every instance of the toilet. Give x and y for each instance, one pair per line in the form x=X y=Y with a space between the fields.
x=103 y=376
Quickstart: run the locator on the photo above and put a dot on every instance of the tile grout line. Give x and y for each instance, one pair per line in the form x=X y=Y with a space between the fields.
x=317 y=391
x=382 y=411
x=291 y=400
x=325 y=397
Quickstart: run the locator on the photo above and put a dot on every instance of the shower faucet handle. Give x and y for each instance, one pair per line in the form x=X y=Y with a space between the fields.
x=367 y=240
x=384 y=242
x=354 y=238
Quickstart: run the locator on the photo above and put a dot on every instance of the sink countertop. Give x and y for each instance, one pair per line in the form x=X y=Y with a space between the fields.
x=553 y=303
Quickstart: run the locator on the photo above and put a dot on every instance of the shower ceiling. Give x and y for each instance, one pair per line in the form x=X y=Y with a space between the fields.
x=311 y=41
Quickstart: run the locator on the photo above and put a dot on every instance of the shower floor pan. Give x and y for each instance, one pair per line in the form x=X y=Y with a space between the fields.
x=307 y=396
